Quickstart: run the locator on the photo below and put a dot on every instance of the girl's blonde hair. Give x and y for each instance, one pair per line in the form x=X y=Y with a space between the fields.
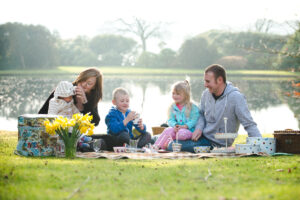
x=184 y=88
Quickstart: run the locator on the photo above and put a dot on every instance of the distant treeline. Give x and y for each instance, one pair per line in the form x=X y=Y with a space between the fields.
x=28 y=46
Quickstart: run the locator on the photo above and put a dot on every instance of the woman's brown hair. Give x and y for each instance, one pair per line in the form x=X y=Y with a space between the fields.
x=96 y=93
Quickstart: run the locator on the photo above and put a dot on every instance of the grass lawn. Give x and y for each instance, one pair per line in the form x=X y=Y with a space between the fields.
x=148 y=71
x=231 y=178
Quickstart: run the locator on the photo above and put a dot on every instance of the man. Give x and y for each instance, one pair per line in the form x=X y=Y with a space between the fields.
x=220 y=100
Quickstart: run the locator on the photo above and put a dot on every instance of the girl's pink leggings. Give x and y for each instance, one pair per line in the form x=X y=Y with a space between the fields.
x=169 y=134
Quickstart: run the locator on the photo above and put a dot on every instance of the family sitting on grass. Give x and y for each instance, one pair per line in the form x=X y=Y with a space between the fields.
x=189 y=124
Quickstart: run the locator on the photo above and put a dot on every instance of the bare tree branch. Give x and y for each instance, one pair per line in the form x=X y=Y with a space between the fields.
x=141 y=29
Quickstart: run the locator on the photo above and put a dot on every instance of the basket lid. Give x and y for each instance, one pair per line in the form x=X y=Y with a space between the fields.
x=287 y=131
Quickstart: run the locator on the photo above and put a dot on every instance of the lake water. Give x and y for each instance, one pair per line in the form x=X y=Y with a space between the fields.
x=268 y=100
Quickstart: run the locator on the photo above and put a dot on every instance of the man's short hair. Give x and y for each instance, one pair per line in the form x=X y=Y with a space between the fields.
x=119 y=91
x=217 y=70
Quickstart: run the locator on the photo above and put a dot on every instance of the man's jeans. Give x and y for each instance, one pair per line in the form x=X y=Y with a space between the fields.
x=188 y=145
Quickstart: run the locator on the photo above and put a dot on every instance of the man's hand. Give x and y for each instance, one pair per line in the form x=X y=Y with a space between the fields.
x=196 y=134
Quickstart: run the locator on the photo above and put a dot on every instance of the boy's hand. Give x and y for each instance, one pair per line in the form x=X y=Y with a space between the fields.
x=140 y=124
x=130 y=117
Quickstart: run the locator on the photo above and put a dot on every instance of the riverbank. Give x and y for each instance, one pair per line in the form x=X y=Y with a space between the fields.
x=72 y=70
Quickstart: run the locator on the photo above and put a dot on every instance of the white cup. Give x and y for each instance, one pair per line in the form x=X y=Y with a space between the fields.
x=137 y=118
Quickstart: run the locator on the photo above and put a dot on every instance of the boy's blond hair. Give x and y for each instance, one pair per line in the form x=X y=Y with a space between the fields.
x=119 y=91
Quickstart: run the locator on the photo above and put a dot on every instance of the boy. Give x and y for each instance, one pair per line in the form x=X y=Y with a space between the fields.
x=120 y=118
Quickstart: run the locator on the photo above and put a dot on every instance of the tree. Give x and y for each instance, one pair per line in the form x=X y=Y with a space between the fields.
x=142 y=29
x=27 y=46
x=111 y=49
x=289 y=55
x=264 y=25
x=247 y=46
x=77 y=52
x=147 y=59
x=166 y=58
x=197 y=52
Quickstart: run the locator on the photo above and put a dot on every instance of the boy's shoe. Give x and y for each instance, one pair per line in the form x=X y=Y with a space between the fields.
x=84 y=147
x=86 y=139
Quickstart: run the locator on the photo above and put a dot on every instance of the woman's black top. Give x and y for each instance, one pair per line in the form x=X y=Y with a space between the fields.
x=87 y=108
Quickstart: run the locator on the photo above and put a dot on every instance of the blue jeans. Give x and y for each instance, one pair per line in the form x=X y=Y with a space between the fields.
x=188 y=145
x=123 y=137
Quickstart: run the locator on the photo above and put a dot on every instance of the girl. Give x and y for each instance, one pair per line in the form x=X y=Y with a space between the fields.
x=183 y=116
x=63 y=104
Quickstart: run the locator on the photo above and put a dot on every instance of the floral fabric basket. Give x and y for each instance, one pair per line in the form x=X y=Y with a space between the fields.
x=32 y=137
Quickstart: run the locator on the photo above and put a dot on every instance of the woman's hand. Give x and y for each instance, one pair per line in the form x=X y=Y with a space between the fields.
x=80 y=95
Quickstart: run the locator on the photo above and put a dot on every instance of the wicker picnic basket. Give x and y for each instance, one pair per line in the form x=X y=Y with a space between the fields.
x=287 y=141
x=157 y=130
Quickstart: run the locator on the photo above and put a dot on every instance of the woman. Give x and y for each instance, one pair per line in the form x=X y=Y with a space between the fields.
x=88 y=94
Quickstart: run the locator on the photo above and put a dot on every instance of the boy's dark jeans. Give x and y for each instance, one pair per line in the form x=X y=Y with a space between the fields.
x=119 y=140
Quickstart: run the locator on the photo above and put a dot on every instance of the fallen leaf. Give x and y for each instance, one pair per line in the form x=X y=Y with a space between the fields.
x=297 y=94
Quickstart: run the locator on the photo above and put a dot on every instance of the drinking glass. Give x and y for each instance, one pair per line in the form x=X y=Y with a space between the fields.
x=97 y=145
x=133 y=143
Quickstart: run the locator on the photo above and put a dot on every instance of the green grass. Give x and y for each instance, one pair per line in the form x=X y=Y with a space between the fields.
x=231 y=178
x=148 y=71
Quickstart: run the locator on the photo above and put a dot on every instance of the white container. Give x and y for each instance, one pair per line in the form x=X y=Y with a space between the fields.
x=226 y=135
x=137 y=118
x=119 y=149
x=176 y=147
x=202 y=149
x=267 y=145
x=247 y=148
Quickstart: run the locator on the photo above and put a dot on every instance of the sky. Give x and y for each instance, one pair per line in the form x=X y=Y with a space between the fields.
x=183 y=18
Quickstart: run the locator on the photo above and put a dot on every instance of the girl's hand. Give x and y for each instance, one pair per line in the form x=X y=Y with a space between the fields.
x=140 y=124
x=80 y=95
x=176 y=128
x=183 y=126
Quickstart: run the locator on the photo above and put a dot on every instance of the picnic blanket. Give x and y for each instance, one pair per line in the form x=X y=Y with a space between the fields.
x=169 y=155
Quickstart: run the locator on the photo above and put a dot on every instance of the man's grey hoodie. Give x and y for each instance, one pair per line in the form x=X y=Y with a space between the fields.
x=232 y=105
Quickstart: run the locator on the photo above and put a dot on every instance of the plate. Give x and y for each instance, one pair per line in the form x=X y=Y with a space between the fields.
x=163 y=151
x=225 y=135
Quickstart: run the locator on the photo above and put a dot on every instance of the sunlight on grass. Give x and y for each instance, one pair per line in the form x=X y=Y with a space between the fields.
x=231 y=178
